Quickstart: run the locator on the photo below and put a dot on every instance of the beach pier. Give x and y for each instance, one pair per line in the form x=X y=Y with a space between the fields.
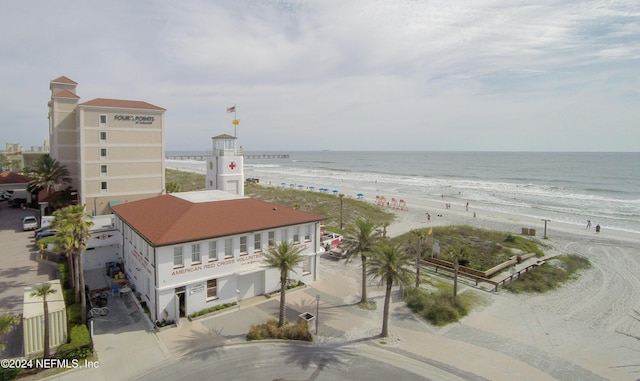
x=250 y=156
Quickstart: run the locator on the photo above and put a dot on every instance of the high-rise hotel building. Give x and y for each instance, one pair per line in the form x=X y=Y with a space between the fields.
x=113 y=148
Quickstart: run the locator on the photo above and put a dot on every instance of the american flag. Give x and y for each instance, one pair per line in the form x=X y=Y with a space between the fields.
x=231 y=109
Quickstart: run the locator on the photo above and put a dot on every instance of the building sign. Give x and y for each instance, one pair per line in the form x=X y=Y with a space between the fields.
x=137 y=119
x=254 y=260
x=198 y=288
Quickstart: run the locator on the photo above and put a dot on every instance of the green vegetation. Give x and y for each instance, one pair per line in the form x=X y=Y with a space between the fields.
x=437 y=307
x=186 y=181
x=326 y=205
x=270 y=330
x=476 y=248
x=550 y=275
x=79 y=347
x=213 y=309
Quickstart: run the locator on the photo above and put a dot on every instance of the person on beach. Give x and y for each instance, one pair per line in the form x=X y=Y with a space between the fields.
x=598 y=228
x=428 y=217
x=588 y=224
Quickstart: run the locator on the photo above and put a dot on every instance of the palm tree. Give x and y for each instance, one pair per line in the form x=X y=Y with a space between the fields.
x=420 y=236
x=73 y=224
x=41 y=291
x=6 y=322
x=391 y=264
x=363 y=241
x=47 y=173
x=284 y=257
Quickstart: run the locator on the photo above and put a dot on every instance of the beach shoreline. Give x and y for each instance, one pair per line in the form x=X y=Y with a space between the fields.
x=588 y=322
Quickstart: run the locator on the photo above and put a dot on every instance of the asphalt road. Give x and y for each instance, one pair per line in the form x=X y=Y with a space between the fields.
x=289 y=362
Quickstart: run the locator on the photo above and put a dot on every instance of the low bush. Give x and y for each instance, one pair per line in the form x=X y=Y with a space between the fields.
x=79 y=346
x=64 y=275
x=270 y=330
x=74 y=314
x=439 y=308
x=550 y=275
x=213 y=309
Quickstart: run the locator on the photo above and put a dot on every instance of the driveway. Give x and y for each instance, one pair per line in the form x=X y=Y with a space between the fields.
x=20 y=267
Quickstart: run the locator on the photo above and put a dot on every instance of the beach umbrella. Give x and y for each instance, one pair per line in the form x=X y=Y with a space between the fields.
x=292 y=185
x=283 y=184
x=335 y=191
x=312 y=188
x=300 y=186
x=360 y=195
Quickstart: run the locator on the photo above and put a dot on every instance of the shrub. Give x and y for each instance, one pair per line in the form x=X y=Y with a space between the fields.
x=64 y=275
x=79 y=346
x=269 y=330
x=439 y=308
x=213 y=309
x=7 y=374
x=549 y=276
x=74 y=314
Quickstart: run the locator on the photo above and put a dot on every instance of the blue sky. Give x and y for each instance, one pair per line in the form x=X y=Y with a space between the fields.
x=481 y=75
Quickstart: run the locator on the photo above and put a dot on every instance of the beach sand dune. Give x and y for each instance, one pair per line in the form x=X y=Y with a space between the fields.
x=584 y=330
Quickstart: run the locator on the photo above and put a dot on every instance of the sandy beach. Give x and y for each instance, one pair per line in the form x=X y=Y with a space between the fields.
x=585 y=329
x=587 y=322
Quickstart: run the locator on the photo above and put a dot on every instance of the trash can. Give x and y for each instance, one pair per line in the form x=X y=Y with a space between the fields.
x=532 y=232
x=307 y=317
x=525 y=231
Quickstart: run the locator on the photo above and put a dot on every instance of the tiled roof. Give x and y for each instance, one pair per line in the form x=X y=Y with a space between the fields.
x=8 y=177
x=65 y=94
x=166 y=220
x=120 y=103
x=64 y=79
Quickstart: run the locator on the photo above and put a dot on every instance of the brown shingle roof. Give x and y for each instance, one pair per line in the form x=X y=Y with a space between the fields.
x=8 y=177
x=166 y=220
x=65 y=94
x=63 y=79
x=120 y=103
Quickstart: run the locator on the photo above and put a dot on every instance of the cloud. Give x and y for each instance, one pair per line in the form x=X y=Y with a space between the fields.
x=355 y=75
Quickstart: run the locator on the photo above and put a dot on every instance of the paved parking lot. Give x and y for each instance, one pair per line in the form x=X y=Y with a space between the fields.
x=20 y=266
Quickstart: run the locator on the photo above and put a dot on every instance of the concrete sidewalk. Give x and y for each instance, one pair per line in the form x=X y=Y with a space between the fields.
x=126 y=348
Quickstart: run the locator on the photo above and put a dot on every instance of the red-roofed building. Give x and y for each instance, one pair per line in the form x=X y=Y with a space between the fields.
x=186 y=252
x=113 y=148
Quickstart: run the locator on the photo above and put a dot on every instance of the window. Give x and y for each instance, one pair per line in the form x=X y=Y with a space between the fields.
x=272 y=239
x=212 y=289
x=296 y=234
x=307 y=233
x=228 y=248
x=103 y=187
x=103 y=136
x=195 y=253
x=103 y=170
x=306 y=265
x=257 y=245
x=103 y=120
x=177 y=256
x=243 y=245
x=103 y=153
x=213 y=251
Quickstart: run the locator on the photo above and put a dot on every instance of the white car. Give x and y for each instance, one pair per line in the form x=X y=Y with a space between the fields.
x=29 y=223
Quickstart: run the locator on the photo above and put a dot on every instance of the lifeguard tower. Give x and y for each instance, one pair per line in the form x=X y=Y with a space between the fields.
x=225 y=169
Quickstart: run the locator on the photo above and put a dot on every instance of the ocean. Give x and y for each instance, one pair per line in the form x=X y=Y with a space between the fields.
x=566 y=187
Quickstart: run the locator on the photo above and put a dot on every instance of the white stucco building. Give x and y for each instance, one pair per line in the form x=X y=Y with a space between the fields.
x=186 y=252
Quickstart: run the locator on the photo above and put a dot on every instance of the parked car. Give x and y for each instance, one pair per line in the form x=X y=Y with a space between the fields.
x=16 y=202
x=45 y=233
x=29 y=223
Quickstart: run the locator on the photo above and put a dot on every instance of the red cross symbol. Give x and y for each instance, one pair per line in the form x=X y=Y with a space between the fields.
x=232 y=165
